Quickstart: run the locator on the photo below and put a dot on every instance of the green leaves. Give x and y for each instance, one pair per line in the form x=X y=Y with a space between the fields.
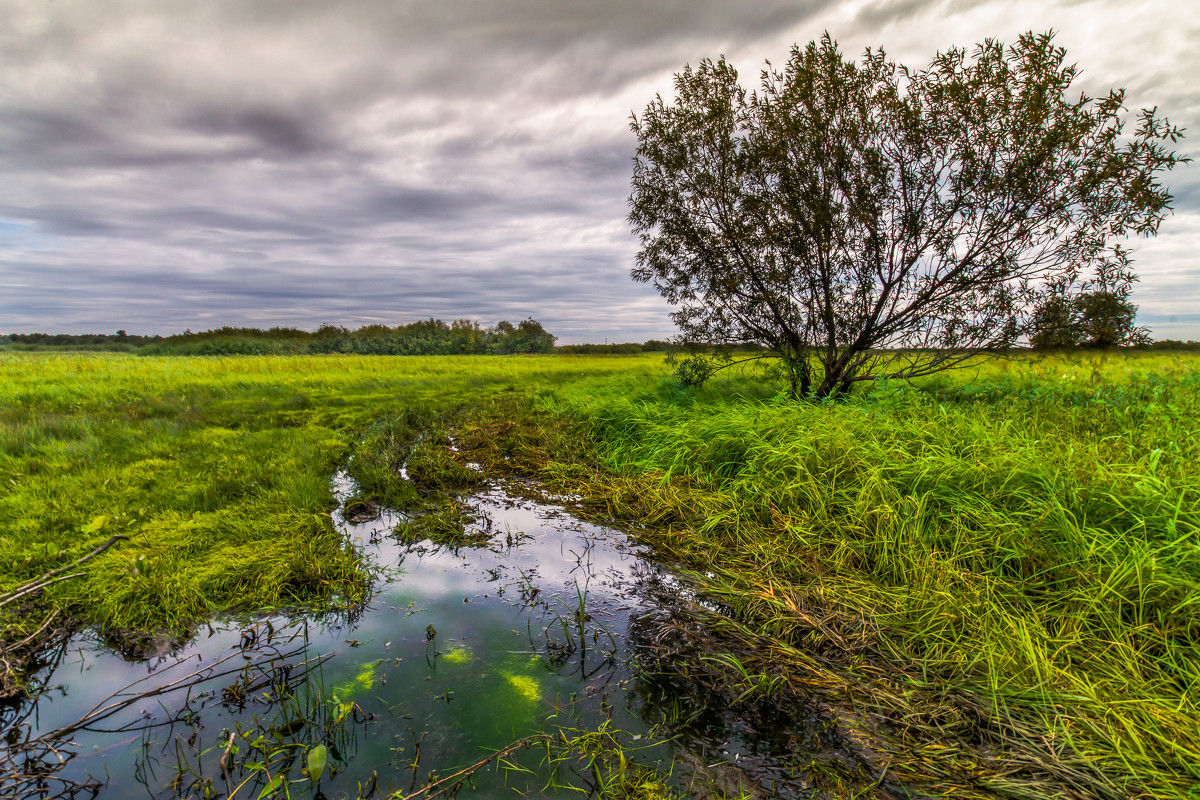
x=272 y=788
x=96 y=524
x=317 y=758
x=848 y=208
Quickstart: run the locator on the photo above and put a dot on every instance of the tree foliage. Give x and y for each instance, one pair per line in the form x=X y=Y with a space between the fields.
x=862 y=220
x=1100 y=314
x=527 y=336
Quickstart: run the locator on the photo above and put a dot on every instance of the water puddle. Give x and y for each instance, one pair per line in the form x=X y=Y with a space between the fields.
x=555 y=624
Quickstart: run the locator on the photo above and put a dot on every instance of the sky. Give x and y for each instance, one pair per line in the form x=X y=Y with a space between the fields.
x=175 y=164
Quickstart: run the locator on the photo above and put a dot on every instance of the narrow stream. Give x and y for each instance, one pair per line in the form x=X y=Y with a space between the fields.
x=555 y=624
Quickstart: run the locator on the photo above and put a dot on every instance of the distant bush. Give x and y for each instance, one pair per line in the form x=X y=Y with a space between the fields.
x=649 y=346
x=627 y=348
x=220 y=346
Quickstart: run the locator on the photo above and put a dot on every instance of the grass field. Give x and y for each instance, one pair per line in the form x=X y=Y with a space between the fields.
x=217 y=468
x=1003 y=558
x=1000 y=566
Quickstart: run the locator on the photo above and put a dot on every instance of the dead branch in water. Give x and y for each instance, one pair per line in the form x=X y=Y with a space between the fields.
x=28 y=766
x=450 y=784
x=16 y=656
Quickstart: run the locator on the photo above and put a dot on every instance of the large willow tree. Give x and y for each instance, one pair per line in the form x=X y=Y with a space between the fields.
x=863 y=220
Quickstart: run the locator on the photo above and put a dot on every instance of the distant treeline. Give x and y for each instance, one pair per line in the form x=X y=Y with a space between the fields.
x=427 y=337
x=623 y=348
x=1171 y=344
x=649 y=346
x=119 y=341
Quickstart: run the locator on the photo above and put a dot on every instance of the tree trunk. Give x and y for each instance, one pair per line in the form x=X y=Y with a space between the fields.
x=799 y=375
x=838 y=380
x=825 y=389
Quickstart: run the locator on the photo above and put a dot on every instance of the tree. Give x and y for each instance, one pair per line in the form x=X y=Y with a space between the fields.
x=1107 y=320
x=1106 y=314
x=1054 y=324
x=527 y=336
x=867 y=220
x=1098 y=314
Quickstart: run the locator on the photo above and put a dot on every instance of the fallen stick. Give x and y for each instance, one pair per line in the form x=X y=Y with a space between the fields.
x=466 y=772
x=35 y=587
x=101 y=711
x=36 y=633
x=45 y=580
x=225 y=765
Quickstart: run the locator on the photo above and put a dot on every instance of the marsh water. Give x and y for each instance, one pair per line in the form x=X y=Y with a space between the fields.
x=554 y=625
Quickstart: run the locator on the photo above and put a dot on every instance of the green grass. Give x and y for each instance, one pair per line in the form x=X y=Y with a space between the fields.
x=219 y=470
x=1011 y=551
x=997 y=569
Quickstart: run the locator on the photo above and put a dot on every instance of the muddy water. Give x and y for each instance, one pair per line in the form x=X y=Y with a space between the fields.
x=555 y=624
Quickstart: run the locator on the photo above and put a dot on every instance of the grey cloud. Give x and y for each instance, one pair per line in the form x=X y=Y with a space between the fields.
x=602 y=162
x=180 y=164
x=883 y=12
x=345 y=294
x=48 y=129
x=208 y=218
x=1185 y=188
x=289 y=134
x=411 y=204
x=63 y=221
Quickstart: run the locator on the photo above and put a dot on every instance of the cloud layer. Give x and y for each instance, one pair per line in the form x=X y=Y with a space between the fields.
x=173 y=165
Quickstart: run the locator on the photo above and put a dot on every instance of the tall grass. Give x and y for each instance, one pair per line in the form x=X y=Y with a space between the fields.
x=1024 y=535
x=1006 y=558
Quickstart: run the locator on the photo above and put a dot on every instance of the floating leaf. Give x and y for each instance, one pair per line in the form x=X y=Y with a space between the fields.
x=316 y=762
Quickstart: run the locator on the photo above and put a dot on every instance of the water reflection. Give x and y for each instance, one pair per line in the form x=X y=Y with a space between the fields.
x=556 y=622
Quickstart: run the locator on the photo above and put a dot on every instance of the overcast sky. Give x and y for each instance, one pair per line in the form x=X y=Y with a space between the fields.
x=173 y=164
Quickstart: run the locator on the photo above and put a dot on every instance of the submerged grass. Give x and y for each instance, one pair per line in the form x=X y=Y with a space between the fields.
x=1021 y=539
